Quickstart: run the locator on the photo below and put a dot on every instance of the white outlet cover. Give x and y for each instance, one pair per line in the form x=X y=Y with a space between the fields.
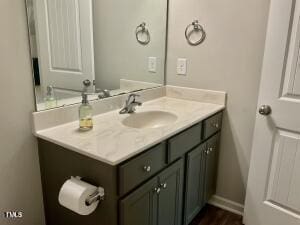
x=181 y=66
x=152 y=64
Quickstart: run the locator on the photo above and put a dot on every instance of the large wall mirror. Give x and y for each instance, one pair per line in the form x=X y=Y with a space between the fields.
x=105 y=47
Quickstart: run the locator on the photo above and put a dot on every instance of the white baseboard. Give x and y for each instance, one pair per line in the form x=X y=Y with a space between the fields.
x=227 y=204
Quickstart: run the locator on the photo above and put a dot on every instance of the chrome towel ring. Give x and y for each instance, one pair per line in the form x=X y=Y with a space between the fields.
x=142 y=29
x=198 y=28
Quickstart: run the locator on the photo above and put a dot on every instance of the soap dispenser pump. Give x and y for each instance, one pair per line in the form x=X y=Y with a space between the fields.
x=85 y=114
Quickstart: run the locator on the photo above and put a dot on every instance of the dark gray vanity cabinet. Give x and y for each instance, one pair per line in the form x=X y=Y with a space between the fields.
x=166 y=185
x=195 y=198
x=158 y=202
x=201 y=169
x=170 y=196
x=140 y=207
x=211 y=161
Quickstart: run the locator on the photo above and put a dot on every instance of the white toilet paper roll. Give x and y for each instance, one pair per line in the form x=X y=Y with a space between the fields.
x=73 y=195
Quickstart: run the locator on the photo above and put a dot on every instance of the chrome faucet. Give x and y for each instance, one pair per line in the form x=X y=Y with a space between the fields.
x=130 y=104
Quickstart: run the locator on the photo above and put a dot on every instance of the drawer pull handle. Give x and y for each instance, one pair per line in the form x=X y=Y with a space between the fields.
x=210 y=149
x=164 y=185
x=207 y=152
x=157 y=190
x=147 y=169
x=215 y=125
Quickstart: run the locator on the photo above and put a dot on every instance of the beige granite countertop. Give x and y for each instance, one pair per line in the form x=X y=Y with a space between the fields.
x=112 y=142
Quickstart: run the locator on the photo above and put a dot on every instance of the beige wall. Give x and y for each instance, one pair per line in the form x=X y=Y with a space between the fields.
x=117 y=53
x=20 y=187
x=229 y=60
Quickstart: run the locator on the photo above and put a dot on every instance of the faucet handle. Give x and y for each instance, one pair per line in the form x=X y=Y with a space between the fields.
x=133 y=95
x=130 y=104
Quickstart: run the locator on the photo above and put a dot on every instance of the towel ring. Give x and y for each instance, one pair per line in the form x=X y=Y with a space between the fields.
x=141 y=29
x=196 y=27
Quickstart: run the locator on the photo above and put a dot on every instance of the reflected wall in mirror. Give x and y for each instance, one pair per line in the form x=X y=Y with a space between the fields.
x=106 y=47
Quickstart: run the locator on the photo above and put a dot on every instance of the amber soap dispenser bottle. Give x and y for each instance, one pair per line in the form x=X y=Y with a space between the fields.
x=85 y=114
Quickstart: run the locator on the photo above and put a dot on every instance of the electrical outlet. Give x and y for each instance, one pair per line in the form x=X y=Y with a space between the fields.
x=181 y=66
x=152 y=64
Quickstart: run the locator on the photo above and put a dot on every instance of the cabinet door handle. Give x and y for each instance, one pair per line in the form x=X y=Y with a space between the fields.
x=164 y=185
x=210 y=149
x=157 y=190
x=147 y=169
x=215 y=125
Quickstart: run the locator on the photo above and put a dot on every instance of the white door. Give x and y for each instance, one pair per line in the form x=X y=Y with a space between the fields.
x=65 y=42
x=273 y=192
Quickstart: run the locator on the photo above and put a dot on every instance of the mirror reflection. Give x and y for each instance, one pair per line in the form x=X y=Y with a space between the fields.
x=105 y=47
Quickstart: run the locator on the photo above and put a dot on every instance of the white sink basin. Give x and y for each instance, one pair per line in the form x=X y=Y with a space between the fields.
x=149 y=119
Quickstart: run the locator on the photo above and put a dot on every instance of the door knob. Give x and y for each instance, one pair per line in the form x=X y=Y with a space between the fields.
x=265 y=110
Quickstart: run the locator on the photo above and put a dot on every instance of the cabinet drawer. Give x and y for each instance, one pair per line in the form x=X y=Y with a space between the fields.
x=212 y=125
x=141 y=168
x=183 y=142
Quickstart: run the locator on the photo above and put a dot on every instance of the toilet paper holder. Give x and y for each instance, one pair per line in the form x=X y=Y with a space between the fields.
x=97 y=196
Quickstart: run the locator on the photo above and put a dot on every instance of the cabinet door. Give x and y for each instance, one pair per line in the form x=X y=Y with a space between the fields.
x=170 y=197
x=211 y=166
x=140 y=207
x=195 y=182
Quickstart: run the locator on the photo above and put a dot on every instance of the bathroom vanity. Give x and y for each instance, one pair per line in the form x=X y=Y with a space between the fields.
x=150 y=175
x=156 y=166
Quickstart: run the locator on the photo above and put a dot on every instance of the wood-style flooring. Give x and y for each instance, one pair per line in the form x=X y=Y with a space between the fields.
x=211 y=215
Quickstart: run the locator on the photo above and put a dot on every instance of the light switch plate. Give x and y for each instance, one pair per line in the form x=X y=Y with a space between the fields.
x=152 y=64
x=181 y=66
